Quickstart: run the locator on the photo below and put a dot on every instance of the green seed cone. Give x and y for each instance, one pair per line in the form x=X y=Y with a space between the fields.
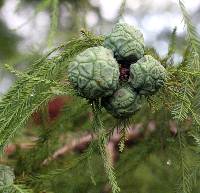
x=147 y=76
x=6 y=176
x=123 y=103
x=126 y=42
x=94 y=73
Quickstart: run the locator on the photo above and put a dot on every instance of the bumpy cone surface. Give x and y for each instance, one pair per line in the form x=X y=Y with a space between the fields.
x=147 y=75
x=94 y=73
x=6 y=176
x=123 y=103
x=126 y=42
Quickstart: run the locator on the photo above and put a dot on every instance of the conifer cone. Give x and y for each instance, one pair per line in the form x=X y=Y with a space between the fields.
x=126 y=42
x=123 y=103
x=6 y=176
x=147 y=76
x=94 y=73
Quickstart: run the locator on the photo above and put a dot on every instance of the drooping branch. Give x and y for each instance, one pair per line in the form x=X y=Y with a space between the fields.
x=132 y=134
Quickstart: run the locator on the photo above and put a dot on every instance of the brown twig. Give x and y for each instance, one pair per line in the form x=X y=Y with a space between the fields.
x=83 y=142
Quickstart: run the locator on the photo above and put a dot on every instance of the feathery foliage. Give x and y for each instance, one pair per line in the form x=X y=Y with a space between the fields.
x=192 y=35
x=37 y=87
x=16 y=189
x=54 y=21
x=102 y=141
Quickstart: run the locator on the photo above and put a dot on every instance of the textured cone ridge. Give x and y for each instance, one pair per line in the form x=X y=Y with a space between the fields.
x=123 y=103
x=94 y=73
x=126 y=42
x=147 y=75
